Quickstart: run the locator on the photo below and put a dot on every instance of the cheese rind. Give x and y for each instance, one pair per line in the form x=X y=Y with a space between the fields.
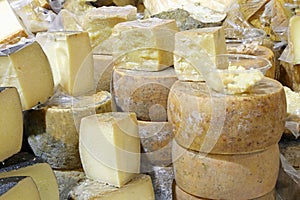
x=103 y=71
x=109 y=147
x=289 y=75
x=144 y=93
x=245 y=176
x=29 y=71
x=244 y=120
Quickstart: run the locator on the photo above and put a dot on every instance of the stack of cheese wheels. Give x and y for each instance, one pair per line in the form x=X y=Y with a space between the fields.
x=226 y=145
x=141 y=80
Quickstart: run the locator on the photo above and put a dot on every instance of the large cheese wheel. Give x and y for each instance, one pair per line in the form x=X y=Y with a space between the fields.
x=144 y=93
x=244 y=176
x=206 y=121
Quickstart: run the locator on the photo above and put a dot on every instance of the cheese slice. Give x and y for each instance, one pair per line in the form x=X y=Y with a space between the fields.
x=18 y=187
x=143 y=92
x=212 y=176
x=294 y=41
x=195 y=52
x=99 y=22
x=138 y=188
x=24 y=164
x=71 y=60
x=144 y=44
x=29 y=71
x=11 y=122
x=53 y=130
x=109 y=147
x=206 y=121
x=103 y=71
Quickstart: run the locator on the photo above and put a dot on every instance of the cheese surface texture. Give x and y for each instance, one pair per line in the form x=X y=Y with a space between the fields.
x=144 y=93
x=195 y=52
x=245 y=176
x=71 y=60
x=18 y=187
x=109 y=147
x=144 y=44
x=29 y=71
x=227 y=124
x=11 y=122
x=138 y=188
x=294 y=41
x=289 y=75
x=103 y=71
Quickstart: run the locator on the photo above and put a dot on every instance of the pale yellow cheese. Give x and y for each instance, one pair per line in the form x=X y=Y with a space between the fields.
x=29 y=71
x=138 y=188
x=292 y=101
x=71 y=60
x=244 y=176
x=144 y=44
x=109 y=147
x=195 y=52
x=11 y=122
x=142 y=92
x=206 y=121
x=103 y=71
x=294 y=41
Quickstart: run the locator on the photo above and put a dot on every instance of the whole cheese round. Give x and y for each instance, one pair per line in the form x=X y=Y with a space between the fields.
x=144 y=93
x=245 y=176
x=210 y=122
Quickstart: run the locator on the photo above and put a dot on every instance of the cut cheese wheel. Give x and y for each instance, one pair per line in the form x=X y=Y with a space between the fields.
x=156 y=141
x=24 y=164
x=18 y=187
x=103 y=71
x=53 y=130
x=206 y=121
x=179 y=194
x=29 y=71
x=246 y=176
x=11 y=122
x=72 y=69
x=109 y=147
x=144 y=93
x=137 y=189
x=145 y=45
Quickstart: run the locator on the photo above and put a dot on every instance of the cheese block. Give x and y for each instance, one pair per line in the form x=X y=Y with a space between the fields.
x=242 y=176
x=66 y=21
x=144 y=93
x=249 y=7
x=53 y=130
x=289 y=75
x=99 y=22
x=103 y=71
x=179 y=194
x=256 y=50
x=138 y=188
x=162 y=179
x=11 y=122
x=18 y=187
x=109 y=147
x=14 y=30
x=24 y=164
x=78 y=7
x=132 y=52
x=72 y=69
x=293 y=102
x=156 y=141
x=294 y=41
x=29 y=71
x=195 y=52
x=227 y=124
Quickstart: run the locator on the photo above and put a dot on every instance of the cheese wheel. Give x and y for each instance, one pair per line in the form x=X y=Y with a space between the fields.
x=289 y=75
x=245 y=176
x=144 y=93
x=179 y=194
x=206 y=121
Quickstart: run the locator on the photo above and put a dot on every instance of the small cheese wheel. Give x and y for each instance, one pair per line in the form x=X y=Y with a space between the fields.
x=179 y=194
x=144 y=93
x=213 y=176
x=206 y=121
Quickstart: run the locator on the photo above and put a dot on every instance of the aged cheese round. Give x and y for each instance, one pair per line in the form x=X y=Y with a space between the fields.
x=156 y=141
x=53 y=130
x=213 y=176
x=179 y=194
x=206 y=121
x=144 y=93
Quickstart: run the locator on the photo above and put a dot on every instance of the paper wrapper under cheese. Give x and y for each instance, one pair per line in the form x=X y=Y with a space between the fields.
x=53 y=130
x=144 y=93
x=244 y=176
x=248 y=123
